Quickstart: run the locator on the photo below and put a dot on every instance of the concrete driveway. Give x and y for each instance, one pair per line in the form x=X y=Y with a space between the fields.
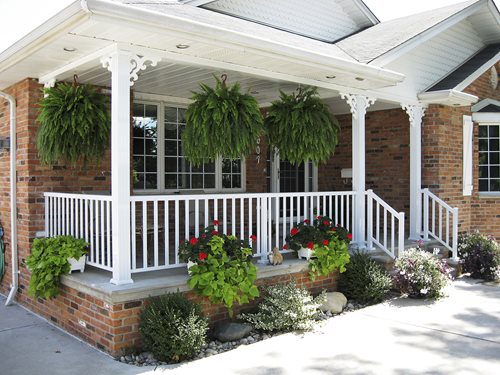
x=457 y=335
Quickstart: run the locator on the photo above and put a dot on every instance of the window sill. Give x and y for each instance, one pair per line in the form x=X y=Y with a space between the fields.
x=495 y=195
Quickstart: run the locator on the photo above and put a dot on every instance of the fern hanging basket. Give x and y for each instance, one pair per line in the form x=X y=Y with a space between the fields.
x=301 y=127
x=75 y=124
x=221 y=122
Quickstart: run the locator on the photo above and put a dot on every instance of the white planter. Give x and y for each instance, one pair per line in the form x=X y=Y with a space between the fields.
x=189 y=265
x=77 y=264
x=305 y=253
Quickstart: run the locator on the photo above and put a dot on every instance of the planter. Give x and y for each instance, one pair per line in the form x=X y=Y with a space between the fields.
x=305 y=253
x=189 y=265
x=77 y=264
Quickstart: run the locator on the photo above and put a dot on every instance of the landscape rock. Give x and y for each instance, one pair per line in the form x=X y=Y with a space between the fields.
x=230 y=331
x=335 y=303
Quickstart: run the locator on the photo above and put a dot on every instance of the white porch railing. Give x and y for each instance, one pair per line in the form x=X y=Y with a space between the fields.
x=82 y=216
x=385 y=226
x=437 y=223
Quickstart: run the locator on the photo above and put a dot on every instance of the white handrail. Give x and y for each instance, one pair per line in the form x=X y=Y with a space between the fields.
x=396 y=244
x=433 y=217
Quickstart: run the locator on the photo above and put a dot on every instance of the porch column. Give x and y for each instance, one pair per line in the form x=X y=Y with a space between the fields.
x=358 y=105
x=124 y=67
x=415 y=113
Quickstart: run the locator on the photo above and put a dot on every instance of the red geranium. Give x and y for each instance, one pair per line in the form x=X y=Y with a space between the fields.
x=334 y=229
x=202 y=256
x=216 y=222
x=294 y=231
x=306 y=221
x=215 y=233
x=203 y=236
x=285 y=246
x=326 y=222
x=318 y=217
x=349 y=236
x=193 y=241
x=253 y=238
x=310 y=245
x=325 y=242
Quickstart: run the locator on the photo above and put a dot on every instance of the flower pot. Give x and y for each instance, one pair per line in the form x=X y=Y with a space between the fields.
x=189 y=265
x=305 y=253
x=77 y=264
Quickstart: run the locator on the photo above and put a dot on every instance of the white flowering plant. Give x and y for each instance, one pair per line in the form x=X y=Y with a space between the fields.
x=479 y=255
x=421 y=274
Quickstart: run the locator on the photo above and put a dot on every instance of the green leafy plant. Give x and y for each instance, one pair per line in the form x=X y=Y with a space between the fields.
x=49 y=260
x=364 y=280
x=286 y=308
x=173 y=328
x=331 y=255
x=221 y=122
x=301 y=126
x=75 y=123
x=223 y=278
x=480 y=255
x=420 y=274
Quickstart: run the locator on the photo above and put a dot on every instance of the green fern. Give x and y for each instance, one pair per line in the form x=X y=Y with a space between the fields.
x=221 y=122
x=75 y=124
x=301 y=126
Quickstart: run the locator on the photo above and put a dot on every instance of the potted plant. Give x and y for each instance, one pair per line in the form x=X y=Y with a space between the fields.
x=49 y=259
x=305 y=236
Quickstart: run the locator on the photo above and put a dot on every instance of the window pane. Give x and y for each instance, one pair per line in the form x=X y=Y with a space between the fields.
x=483 y=145
x=171 y=114
x=197 y=181
x=171 y=148
x=137 y=129
x=483 y=158
x=494 y=172
x=495 y=185
x=184 y=181
x=226 y=166
x=494 y=157
x=209 y=167
x=151 y=165
x=483 y=172
x=483 y=185
x=151 y=182
x=150 y=147
x=138 y=163
x=171 y=181
x=226 y=181
x=494 y=145
x=181 y=115
x=236 y=167
x=494 y=130
x=483 y=131
x=138 y=147
x=236 y=181
x=184 y=165
x=138 y=181
x=170 y=164
x=170 y=131
x=209 y=181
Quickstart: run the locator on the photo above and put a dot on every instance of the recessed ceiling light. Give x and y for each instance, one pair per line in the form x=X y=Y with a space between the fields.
x=69 y=49
x=254 y=92
x=360 y=79
x=331 y=77
x=182 y=46
x=456 y=104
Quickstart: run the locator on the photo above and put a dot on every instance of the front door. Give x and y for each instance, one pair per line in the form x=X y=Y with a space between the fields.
x=285 y=177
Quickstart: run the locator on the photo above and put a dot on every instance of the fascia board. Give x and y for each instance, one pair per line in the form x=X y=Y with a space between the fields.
x=448 y=97
x=484 y=103
x=486 y=117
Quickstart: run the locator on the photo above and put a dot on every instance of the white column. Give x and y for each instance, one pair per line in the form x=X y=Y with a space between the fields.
x=415 y=113
x=124 y=66
x=358 y=105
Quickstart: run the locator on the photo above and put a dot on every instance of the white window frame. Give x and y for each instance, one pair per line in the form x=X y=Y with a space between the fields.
x=275 y=186
x=493 y=120
x=468 y=141
x=160 y=131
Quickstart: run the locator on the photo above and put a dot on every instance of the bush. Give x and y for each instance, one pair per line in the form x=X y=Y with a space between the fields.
x=364 y=280
x=330 y=256
x=286 y=308
x=49 y=260
x=420 y=274
x=480 y=255
x=173 y=328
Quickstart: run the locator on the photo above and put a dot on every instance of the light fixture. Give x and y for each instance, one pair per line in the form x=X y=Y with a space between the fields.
x=182 y=46
x=331 y=77
x=254 y=92
x=360 y=79
x=69 y=49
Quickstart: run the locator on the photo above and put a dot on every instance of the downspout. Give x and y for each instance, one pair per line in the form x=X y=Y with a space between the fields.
x=13 y=194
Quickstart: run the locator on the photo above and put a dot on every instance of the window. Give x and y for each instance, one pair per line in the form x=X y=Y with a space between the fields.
x=489 y=158
x=162 y=166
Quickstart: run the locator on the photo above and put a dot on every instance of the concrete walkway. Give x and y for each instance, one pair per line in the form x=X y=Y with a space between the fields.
x=457 y=335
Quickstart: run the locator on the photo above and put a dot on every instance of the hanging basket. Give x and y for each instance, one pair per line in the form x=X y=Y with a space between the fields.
x=221 y=122
x=301 y=126
x=75 y=124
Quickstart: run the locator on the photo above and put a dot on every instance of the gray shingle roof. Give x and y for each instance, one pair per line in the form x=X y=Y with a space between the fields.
x=456 y=77
x=376 y=41
x=490 y=108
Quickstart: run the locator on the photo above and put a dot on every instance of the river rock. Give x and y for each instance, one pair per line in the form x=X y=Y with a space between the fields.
x=335 y=303
x=230 y=331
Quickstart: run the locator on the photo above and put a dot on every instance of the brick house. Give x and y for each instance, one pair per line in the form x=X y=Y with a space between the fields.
x=417 y=99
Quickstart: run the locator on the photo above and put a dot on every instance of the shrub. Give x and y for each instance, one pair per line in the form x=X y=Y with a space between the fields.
x=364 y=280
x=329 y=256
x=286 y=308
x=49 y=260
x=223 y=278
x=420 y=274
x=173 y=328
x=480 y=255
